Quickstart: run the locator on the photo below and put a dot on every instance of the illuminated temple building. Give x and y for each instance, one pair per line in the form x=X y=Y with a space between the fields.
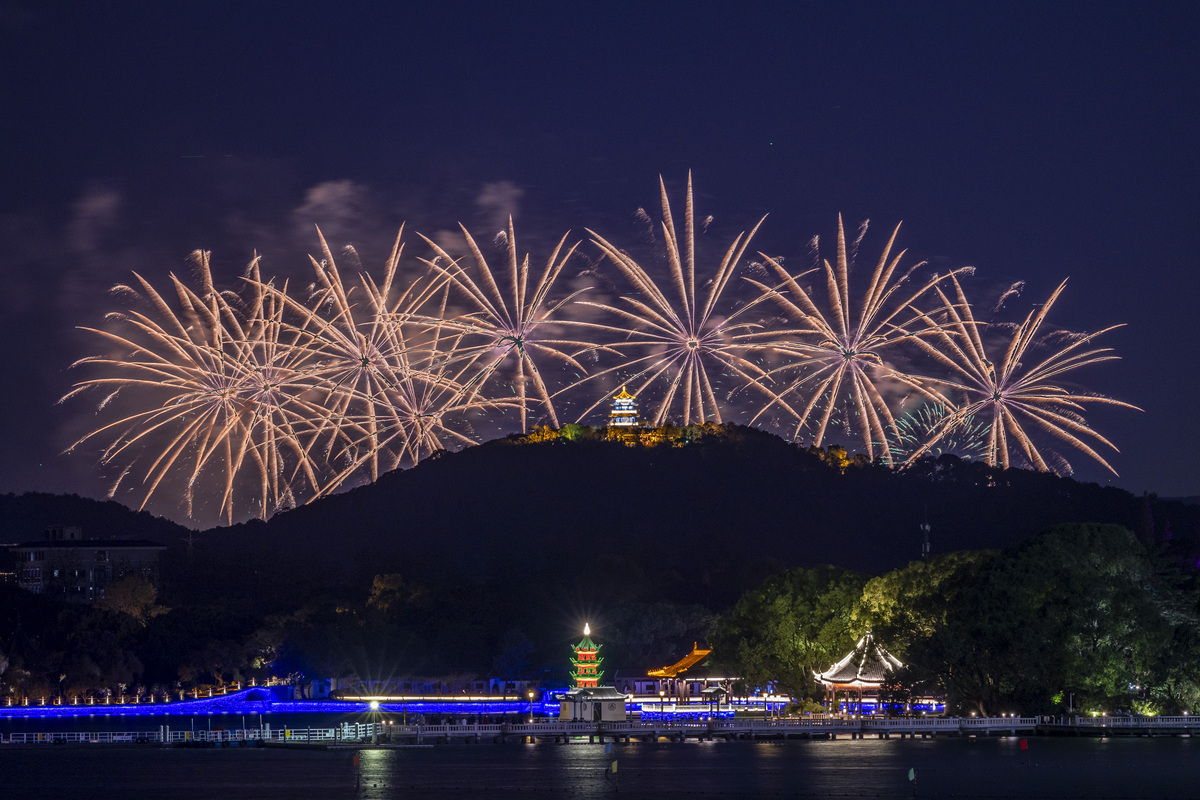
x=587 y=661
x=624 y=411
x=589 y=701
x=693 y=658
x=687 y=679
x=624 y=425
x=862 y=672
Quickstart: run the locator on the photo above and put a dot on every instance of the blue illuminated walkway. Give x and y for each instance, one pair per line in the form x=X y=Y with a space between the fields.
x=275 y=700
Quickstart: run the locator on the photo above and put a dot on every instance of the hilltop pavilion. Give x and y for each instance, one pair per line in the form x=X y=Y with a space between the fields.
x=624 y=411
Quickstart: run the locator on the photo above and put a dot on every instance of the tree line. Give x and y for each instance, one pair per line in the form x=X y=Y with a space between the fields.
x=1079 y=617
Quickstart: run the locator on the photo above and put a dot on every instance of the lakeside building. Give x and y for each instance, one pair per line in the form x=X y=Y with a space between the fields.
x=587 y=660
x=862 y=673
x=595 y=704
x=689 y=679
x=588 y=700
x=65 y=562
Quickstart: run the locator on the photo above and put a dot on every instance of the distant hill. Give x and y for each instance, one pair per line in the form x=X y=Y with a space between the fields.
x=699 y=523
x=26 y=517
x=504 y=549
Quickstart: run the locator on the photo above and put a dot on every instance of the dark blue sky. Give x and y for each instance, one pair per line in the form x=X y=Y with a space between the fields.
x=1034 y=141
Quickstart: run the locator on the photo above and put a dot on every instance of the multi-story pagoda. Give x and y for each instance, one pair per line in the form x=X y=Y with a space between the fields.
x=586 y=662
x=624 y=411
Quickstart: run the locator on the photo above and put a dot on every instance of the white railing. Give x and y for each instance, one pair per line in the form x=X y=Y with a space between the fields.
x=380 y=731
x=1185 y=721
x=83 y=737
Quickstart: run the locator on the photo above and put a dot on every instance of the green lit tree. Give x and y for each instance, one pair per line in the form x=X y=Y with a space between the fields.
x=796 y=622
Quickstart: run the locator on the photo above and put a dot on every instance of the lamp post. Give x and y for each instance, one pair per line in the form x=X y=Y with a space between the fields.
x=374 y=724
x=662 y=705
x=531 y=708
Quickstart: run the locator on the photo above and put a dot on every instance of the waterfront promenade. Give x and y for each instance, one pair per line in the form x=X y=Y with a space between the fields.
x=392 y=734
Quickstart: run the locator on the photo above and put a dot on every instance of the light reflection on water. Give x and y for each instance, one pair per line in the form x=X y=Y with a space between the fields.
x=966 y=768
x=946 y=768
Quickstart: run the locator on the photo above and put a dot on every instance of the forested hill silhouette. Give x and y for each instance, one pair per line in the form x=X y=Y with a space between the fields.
x=697 y=523
x=25 y=517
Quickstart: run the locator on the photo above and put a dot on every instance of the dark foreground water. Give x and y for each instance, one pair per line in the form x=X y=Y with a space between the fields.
x=946 y=768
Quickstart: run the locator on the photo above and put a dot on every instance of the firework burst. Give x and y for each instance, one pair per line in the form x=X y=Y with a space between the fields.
x=351 y=342
x=509 y=329
x=1020 y=394
x=837 y=358
x=423 y=409
x=250 y=402
x=677 y=340
x=227 y=395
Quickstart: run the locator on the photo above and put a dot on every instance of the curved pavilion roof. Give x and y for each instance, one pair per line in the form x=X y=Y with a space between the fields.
x=867 y=665
x=682 y=665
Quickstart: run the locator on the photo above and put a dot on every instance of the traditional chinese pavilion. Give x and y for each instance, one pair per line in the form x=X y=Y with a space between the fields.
x=862 y=672
x=624 y=411
x=693 y=658
x=677 y=682
x=589 y=700
x=587 y=660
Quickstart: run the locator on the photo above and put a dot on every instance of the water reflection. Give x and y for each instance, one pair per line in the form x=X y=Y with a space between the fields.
x=945 y=768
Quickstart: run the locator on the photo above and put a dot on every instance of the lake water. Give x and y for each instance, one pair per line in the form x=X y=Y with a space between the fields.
x=946 y=768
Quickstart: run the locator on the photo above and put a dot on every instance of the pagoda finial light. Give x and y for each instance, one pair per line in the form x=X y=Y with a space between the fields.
x=587 y=630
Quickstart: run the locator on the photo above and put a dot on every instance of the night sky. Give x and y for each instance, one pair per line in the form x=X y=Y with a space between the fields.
x=1035 y=142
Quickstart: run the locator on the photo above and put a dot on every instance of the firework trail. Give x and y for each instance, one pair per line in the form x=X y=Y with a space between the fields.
x=1019 y=395
x=678 y=339
x=837 y=356
x=1012 y=291
x=224 y=389
x=509 y=330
